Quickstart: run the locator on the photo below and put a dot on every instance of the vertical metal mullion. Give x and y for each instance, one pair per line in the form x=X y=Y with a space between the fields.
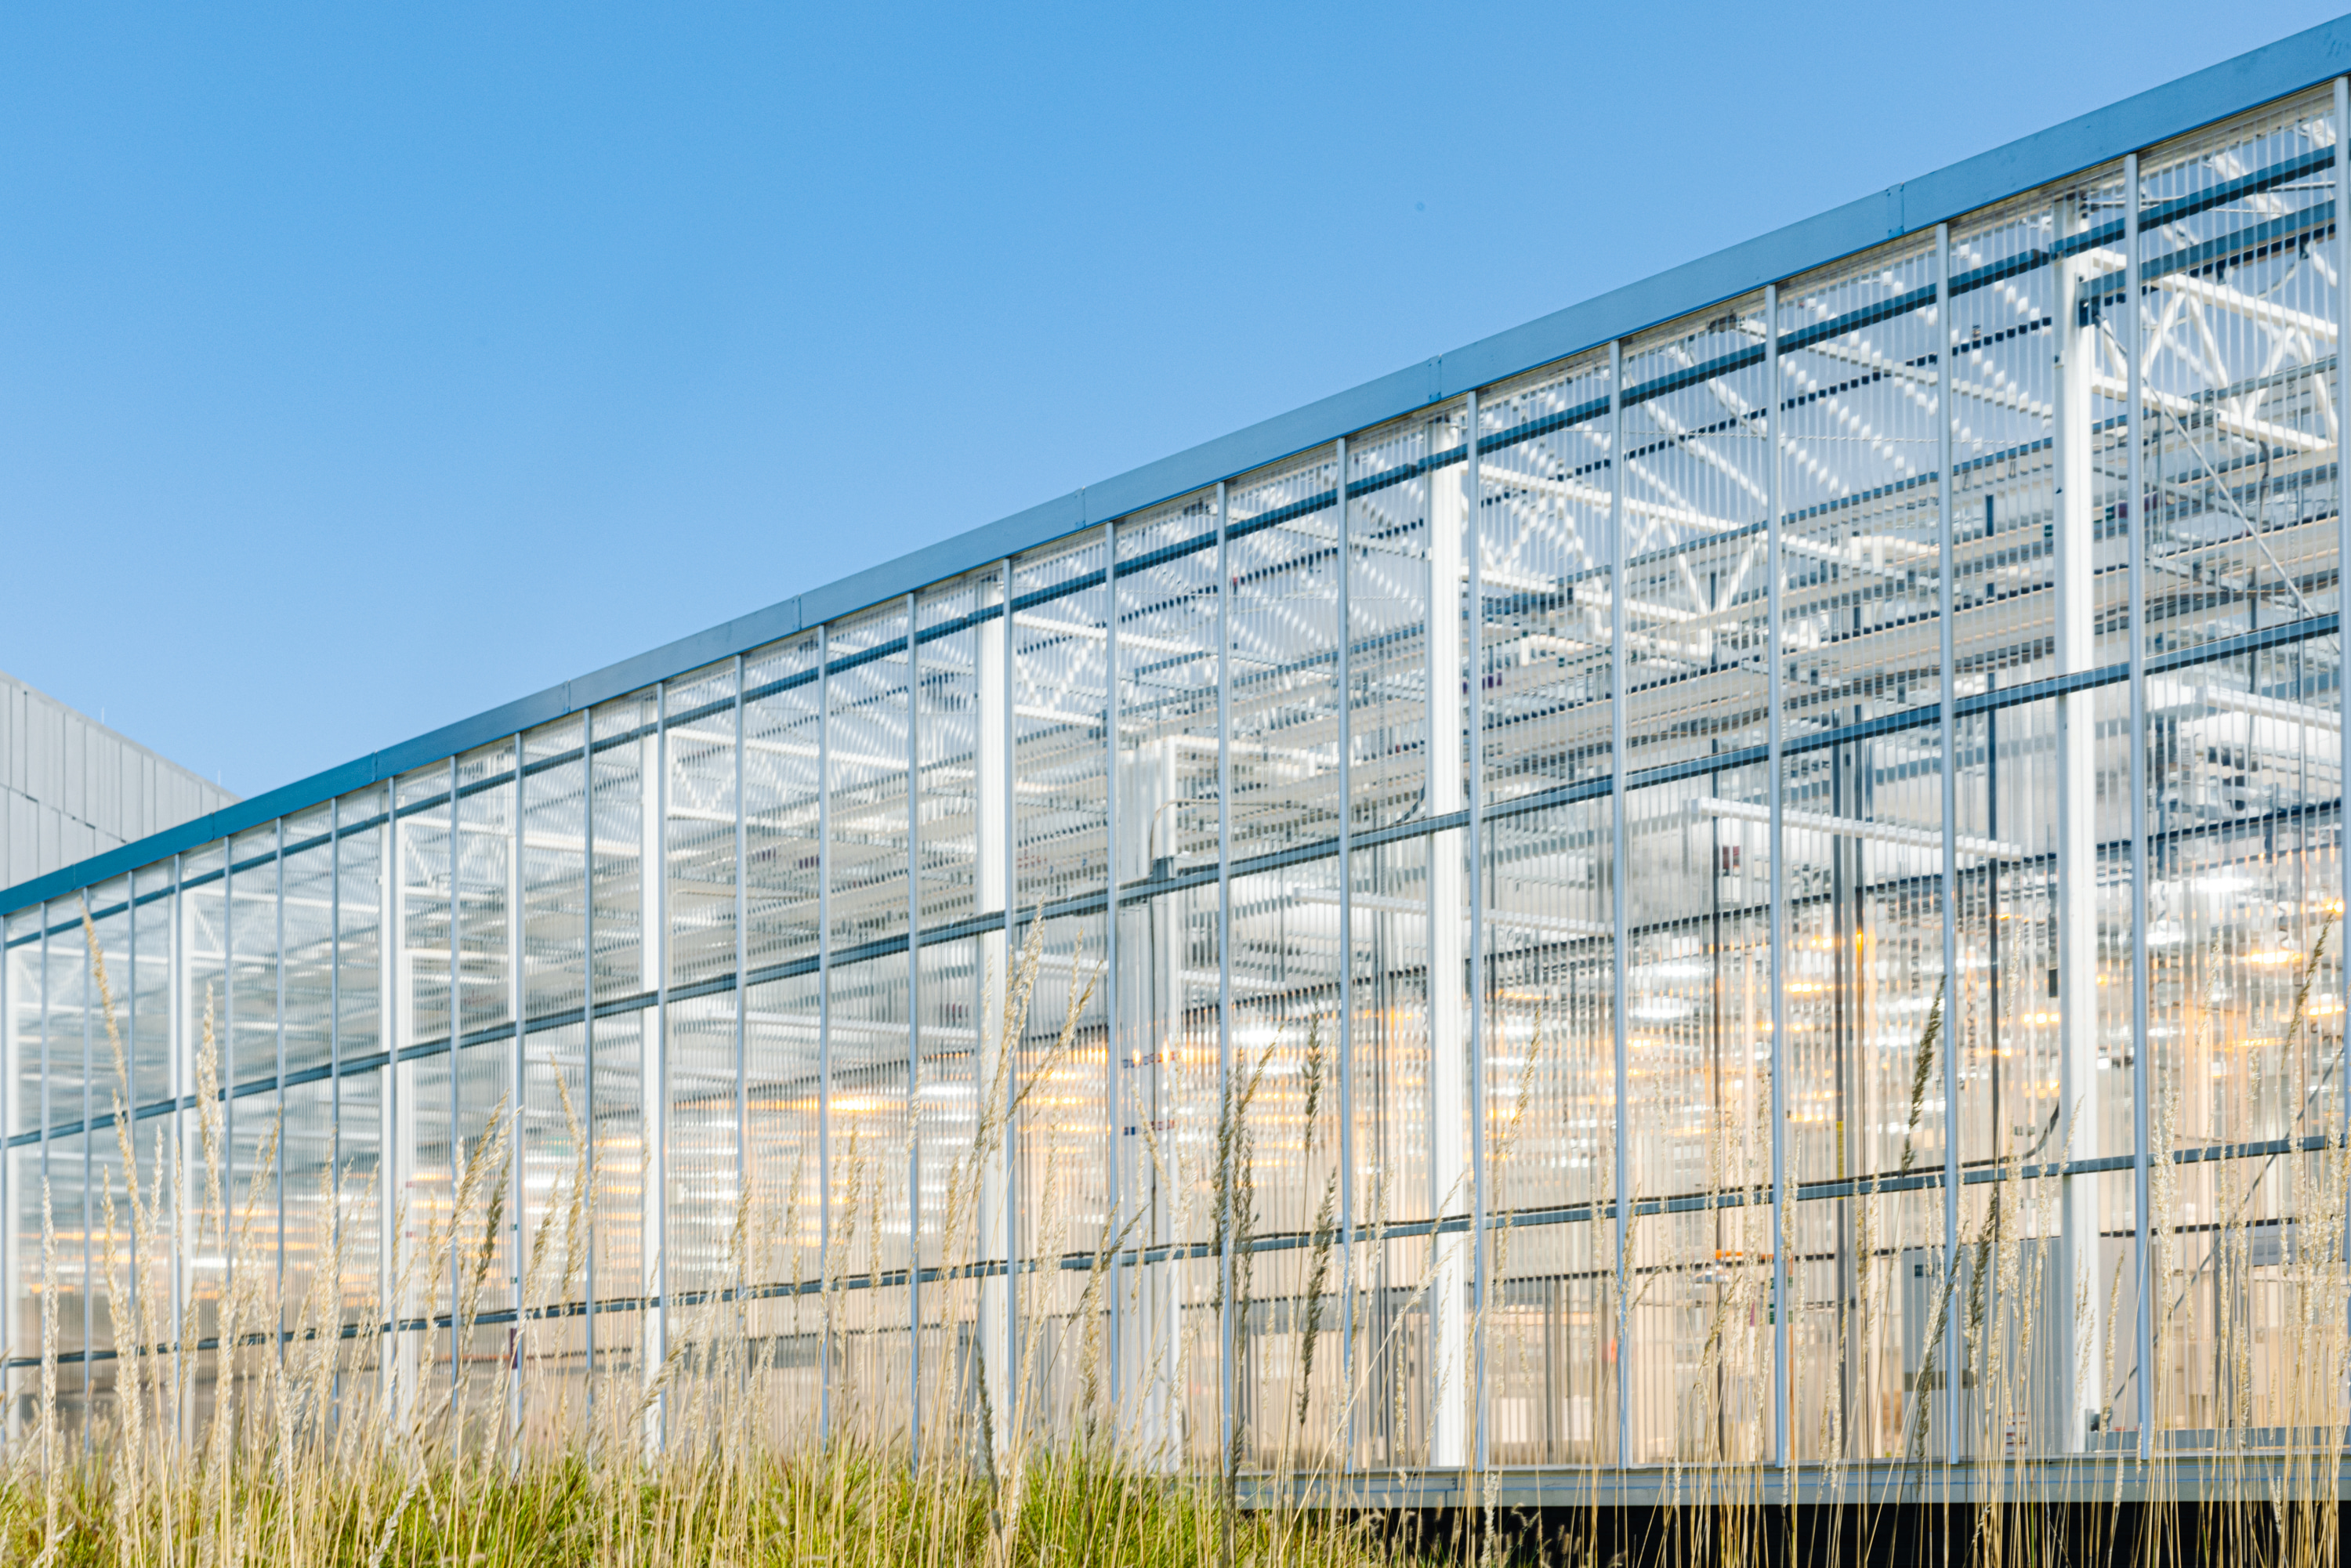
x=334 y=1050
x=1473 y=552
x=914 y=1029
x=176 y=1025
x=223 y=1073
x=1225 y=1326
x=1113 y=1069
x=89 y=1169
x=742 y=990
x=2137 y=521
x=1954 y=1375
x=1617 y=910
x=49 y=1211
x=175 y=1029
x=1010 y=1109
x=1773 y=740
x=654 y=1057
x=127 y=1083
x=2343 y=562
x=457 y=1143
x=12 y=1250
x=1346 y=1097
x=517 y=1123
x=391 y=1164
x=280 y=1161
x=588 y=1022
x=824 y=1023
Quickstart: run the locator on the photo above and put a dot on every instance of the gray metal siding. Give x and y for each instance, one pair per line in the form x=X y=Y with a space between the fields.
x=71 y=787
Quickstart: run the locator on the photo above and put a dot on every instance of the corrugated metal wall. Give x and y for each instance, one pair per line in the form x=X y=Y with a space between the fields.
x=71 y=787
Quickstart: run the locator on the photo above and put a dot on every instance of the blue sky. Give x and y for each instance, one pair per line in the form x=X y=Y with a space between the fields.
x=361 y=367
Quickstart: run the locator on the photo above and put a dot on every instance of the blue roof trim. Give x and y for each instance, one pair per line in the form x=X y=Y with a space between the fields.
x=2215 y=93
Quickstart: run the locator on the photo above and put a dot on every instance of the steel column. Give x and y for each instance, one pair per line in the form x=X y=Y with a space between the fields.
x=1473 y=552
x=914 y=1023
x=588 y=1028
x=2343 y=562
x=1775 y=682
x=456 y=1143
x=824 y=1025
x=743 y=1174
x=1225 y=1326
x=279 y=967
x=2137 y=525
x=1618 y=912
x=1114 y=1070
x=1945 y=345
x=1011 y=1413
x=518 y=1090
x=1346 y=1097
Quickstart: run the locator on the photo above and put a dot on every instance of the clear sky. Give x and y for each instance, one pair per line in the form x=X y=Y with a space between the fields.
x=364 y=367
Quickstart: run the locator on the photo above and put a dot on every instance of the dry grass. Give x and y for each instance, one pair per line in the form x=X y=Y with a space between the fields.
x=304 y=1432
x=308 y=1430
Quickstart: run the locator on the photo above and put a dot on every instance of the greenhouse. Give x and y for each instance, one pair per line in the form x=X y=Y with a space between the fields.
x=1744 y=880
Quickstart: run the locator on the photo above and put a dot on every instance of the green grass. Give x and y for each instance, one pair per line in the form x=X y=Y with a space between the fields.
x=843 y=1507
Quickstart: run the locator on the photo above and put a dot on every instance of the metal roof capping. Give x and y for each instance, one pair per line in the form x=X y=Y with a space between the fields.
x=2157 y=115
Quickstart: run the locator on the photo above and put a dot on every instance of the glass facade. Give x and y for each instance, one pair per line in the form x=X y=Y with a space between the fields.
x=1769 y=891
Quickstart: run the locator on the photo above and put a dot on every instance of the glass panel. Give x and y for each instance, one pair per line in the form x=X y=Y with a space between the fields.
x=485 y=889
x=360 y=897
x=309 y=911
x=26 y=970
x=867 y=758
x=2236 y=323
x=1284 y=621
x=780 y=785
x=1697 y=1119
x=786 y=1166
x=947 y=714
x=1059 y=690
x=702 y=813
x=148 y=999
x=65 y=1044
x=558 y=1183
x=703 y=1181
x=421 y=914
x=554 y=870
x=625 y=786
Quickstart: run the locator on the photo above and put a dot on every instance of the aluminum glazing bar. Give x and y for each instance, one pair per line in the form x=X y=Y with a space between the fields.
x=518 y=1082
x=1775 y=682
x=1224 y=1200
x=824 y=1259
x=1622 y=1175
x=2137 y=525
x=88 y=957
x=1114 y=1067
x=743 y=1173
x=653 y=1083
x=12 y=1254
x=1011 y=1193
x=914 y=1024
x=588 y=1012
x=2343 y=563
x=182 y=1080
x=1346 y=968
x=49 y=1215
x=1473 y=552
x=1954 y=1375
x=457 y=1123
